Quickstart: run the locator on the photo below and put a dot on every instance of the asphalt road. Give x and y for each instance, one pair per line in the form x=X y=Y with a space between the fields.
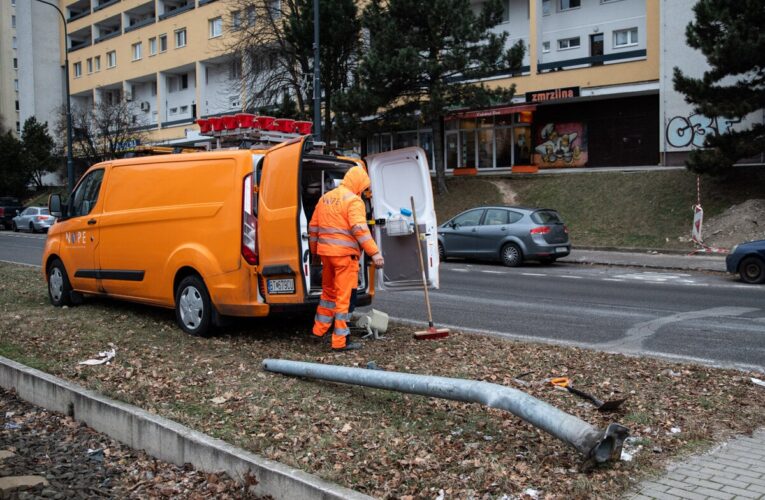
x=702 y=317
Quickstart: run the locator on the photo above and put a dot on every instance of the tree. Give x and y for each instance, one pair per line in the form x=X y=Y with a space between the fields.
x=339 y=29
x=729 y=34
x=275 y=47
x=37 y=150
x=424 y=57
x=13 y=177
x=103 y=131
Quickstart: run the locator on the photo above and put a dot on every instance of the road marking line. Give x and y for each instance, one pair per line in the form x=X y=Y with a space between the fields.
x=460 y=270
x=635 y=336
x=533 y=274
x=572 y=277
x=494 y=272
x=613 y=279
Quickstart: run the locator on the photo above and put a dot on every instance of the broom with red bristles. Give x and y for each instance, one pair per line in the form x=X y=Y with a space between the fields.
x=432 y=332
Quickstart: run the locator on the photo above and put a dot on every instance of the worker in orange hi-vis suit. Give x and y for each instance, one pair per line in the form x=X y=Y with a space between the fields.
x=337 y=232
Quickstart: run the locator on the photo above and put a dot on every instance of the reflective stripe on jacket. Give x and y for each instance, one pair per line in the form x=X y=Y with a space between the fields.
x=339 y=226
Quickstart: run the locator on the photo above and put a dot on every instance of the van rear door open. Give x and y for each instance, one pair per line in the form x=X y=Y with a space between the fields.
x=396 y=176
x=278 y=224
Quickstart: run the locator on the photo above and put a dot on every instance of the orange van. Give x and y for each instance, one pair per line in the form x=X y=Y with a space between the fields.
x=225 y=232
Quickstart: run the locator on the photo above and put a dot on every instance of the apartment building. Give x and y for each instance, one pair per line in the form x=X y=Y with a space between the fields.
x=9 y=80
x=165 y=56
x=587 y=93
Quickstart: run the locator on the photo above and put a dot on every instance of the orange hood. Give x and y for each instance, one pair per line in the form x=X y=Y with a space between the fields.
x=356 y=180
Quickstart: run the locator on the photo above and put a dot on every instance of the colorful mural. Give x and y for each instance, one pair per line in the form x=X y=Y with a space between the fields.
x=561 y=145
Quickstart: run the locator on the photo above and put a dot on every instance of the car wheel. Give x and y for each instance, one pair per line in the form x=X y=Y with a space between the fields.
x=14 y=227
x=59 y=289
x=32 y=228
x=752 y=270
x=441 y=252
x=511 y=255
x=193 y=308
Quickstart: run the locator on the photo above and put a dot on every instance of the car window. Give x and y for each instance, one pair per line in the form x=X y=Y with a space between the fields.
x=513 y=217
x=545 y=217
x=495 y=217
x=44 y=211
x=27 y=211
x=86 y=194
x=471 y=218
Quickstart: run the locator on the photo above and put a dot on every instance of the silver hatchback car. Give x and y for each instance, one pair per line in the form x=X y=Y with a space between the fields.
x=35 y=219
x=511 y=235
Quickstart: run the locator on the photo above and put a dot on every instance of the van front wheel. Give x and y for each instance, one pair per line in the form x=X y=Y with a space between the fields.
x=193 y=309
x=59 y=289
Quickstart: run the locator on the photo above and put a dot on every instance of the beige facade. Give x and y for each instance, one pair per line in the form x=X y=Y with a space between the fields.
x=8 y=66
x=165 y=56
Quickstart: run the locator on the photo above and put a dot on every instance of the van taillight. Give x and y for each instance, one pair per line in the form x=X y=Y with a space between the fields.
x=249 y=224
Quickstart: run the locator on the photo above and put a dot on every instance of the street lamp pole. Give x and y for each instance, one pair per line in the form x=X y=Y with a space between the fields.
x=69 y=159
x=316 y=74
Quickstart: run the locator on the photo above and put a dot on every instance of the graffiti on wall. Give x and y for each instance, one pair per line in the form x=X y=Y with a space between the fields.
x=561 y=145
x=691 y=131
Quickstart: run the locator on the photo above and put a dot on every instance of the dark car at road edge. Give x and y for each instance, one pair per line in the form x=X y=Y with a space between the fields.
x=748 y=260
x=9 y=206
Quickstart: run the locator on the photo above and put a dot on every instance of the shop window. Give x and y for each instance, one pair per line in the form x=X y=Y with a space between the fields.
x=405 y=140
x=452 y=150
x=467 y=148
x=485 y=148
x=522 y=146
x=504 y=144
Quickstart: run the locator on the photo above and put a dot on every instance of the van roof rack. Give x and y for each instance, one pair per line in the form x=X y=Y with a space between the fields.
x=246 y=130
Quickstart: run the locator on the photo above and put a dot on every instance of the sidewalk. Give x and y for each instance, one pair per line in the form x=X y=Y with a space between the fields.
x=734 y=470
x=649 y=259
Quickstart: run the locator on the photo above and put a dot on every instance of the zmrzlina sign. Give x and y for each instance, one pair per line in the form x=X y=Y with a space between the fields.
x=552 y=94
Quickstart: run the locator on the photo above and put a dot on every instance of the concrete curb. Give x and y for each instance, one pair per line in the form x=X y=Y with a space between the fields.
x=163 y=438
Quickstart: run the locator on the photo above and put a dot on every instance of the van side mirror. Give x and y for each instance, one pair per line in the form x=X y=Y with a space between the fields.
x=54 y=205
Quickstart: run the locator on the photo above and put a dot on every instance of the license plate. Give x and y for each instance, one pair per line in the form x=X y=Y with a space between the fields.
x=281 y=286
x=561 y=250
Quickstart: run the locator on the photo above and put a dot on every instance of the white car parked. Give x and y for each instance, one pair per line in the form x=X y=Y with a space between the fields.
x=33 y=219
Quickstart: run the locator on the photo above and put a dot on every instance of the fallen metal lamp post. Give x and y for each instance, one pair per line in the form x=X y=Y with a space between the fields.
x=595 y=444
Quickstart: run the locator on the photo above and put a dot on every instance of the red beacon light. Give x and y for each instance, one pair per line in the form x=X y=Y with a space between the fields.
x=265 y=122
x=230 y=122
x=245 y=120
x=303 y=128
x=216 y=123
x=284 y=125
x=204 y=125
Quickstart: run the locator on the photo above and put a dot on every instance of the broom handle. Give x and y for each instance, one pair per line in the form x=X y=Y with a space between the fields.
x=422 y=262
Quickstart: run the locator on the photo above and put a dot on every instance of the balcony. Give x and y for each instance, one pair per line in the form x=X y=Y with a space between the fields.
x=172 y=8
x=139 y=17
x=79 y=39
x=108 y=28
x=100 y=5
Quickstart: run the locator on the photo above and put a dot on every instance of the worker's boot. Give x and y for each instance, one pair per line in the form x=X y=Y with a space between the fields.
x=349 y=346
x=316 y=339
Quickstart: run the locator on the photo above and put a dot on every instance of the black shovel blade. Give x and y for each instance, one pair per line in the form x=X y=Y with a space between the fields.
x=612 y=405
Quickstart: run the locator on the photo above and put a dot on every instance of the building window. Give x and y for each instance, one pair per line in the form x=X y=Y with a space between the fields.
x=98 y=63
x=153 y=46
x=184 y=83
x=15 y=63
x=545 y=47
x=162 y=43
x=173 y=111
x=153 y=88
x=216 y=27
x=111 y=59
x=77 y=69
x=625 y=38
x=13 y=21
x=90 y=65
x=180 y=38
x=236 y=20
x=17 y=105
x=251 y=15
x=275 y=8
x=16 y=84
x=14 y=42
x=569 y=43
x=137 y=49
x=569 y=4
x=184 y=110
x=546 y=7
x=236 y=70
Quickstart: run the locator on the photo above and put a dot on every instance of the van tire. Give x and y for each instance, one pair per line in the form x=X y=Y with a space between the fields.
x=193 y=308
x=59 y=288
